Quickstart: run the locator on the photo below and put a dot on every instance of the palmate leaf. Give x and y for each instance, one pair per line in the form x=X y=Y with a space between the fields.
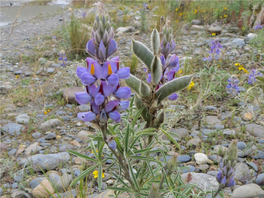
x=142 y=52
x=173 y=86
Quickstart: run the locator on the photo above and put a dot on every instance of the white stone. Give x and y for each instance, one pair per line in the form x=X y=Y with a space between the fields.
x=200 y=158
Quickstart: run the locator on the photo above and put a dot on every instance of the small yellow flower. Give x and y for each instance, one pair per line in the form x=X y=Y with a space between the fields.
x=225 y=8
x=221 y=17
x=95 y=173
x=213 y=34
x=179 y=72
x=237 y=64
x=48 y=110
x=218 y=65
x=45 y=112
x=17 y=76
x=122 y=8
x=225 y=16
x=96 y=151
x=176 y=9
x=191 y=85
x=57 y=59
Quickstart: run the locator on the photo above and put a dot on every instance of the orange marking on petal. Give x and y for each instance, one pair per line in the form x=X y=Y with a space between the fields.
x=92 y=69
x=109 y=70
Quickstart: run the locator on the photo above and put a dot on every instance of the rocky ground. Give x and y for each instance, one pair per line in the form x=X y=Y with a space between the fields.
x=38 y=112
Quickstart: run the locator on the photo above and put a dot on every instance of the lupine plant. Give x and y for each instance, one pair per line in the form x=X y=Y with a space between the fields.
x=232 y=87
x=260 y=79
x=226 y=174
x=63 y=58
x=253 y=75
x=214 y=51
x=130 y=153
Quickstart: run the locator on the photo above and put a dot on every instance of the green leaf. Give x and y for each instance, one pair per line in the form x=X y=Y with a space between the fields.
x=84 y=174
x=133 y=176
x=173 y=86
x=261 y=71
x=98 y=139
x=93 y=148
x=142 y=158
x=144 y=91
x=136 y=117
x=150 y=169
x=100 y=150
x=142 y=52
x=99 y=180
x=170 y=138
x=142 y=150
x=134 y=83
x=155 y=41
x=81 y=155
x=126 y=139
x=156 y=70
x=261 y=78
x=120 y=189
x=134 y=141
x=120 y=180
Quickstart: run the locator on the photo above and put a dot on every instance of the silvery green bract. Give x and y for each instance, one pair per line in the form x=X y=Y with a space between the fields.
x=160 y=76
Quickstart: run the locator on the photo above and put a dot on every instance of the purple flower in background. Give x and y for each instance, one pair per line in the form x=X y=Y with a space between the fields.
x=215 y=47
x=258 y=27
x=84 y=14
x=167 y=48
x=53 y=37
x=63 y=58
x=232 y=87
x=253 y=75
x=144 y=5
x=209 y=58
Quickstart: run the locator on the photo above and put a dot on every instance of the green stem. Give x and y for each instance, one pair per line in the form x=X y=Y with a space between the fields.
x=218 y=191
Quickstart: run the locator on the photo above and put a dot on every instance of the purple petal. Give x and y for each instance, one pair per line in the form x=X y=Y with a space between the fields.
x=149 y=78
x=219 y=177
x=115 y=64
x=90 y=47
x=80 y=71
x=123 y=73
x=173 y=97
x=123 y=92
x=103 y=116
x=124 y=104
x=82 y=97
x=105 y=70
x=112 y=144
x=86 y=117
x=223 y=181
x=113 y=79
x=89 y=61
x=107 y=89
x=231 y=182
x=93 y=90
x=99 y=99
x=111 y=48
x=163 y=61
x=174 y=61
x=173 y=46
x=102 y=51
x=95 y=108
x=97 y=70
x=110 y=106
x=170 y=75
x=88 y=79
x=115 y=116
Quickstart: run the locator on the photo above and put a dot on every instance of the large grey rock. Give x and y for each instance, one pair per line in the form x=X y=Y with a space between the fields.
x=83 y=135
x=216 y=29
x=20 y=194
x=50 y=124
x=238 y=42
x=204 y=181
x=5 y=87
x=23 y=119
x=60 y=182
x=248 y=191
x=13 y=128
x=181 y=132
x=41 y=162
x=196 y=22
x=242 y=173
x=255 y=130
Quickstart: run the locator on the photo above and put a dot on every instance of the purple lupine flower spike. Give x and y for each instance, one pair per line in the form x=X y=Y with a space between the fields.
x=253 y=75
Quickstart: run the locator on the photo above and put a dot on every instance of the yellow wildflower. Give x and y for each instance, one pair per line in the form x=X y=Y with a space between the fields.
x=225 y=16
x=179 y=72
x=96 y=151
x=191 y=85
x=95 y=173
x=225 y=8
x=176 y=9
x=48 y=110
x=17 y=76
x=213 y=34
x=45 y=112
x=218 y=65
x=221 y=17
x=237 y=64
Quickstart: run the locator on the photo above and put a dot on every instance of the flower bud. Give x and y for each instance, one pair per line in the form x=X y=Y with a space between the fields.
x=171 y=164
x=232 y=151
x=154 y=192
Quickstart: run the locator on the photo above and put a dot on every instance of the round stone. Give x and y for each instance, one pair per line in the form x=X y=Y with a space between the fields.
x=184 y=158
x=241 y=145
